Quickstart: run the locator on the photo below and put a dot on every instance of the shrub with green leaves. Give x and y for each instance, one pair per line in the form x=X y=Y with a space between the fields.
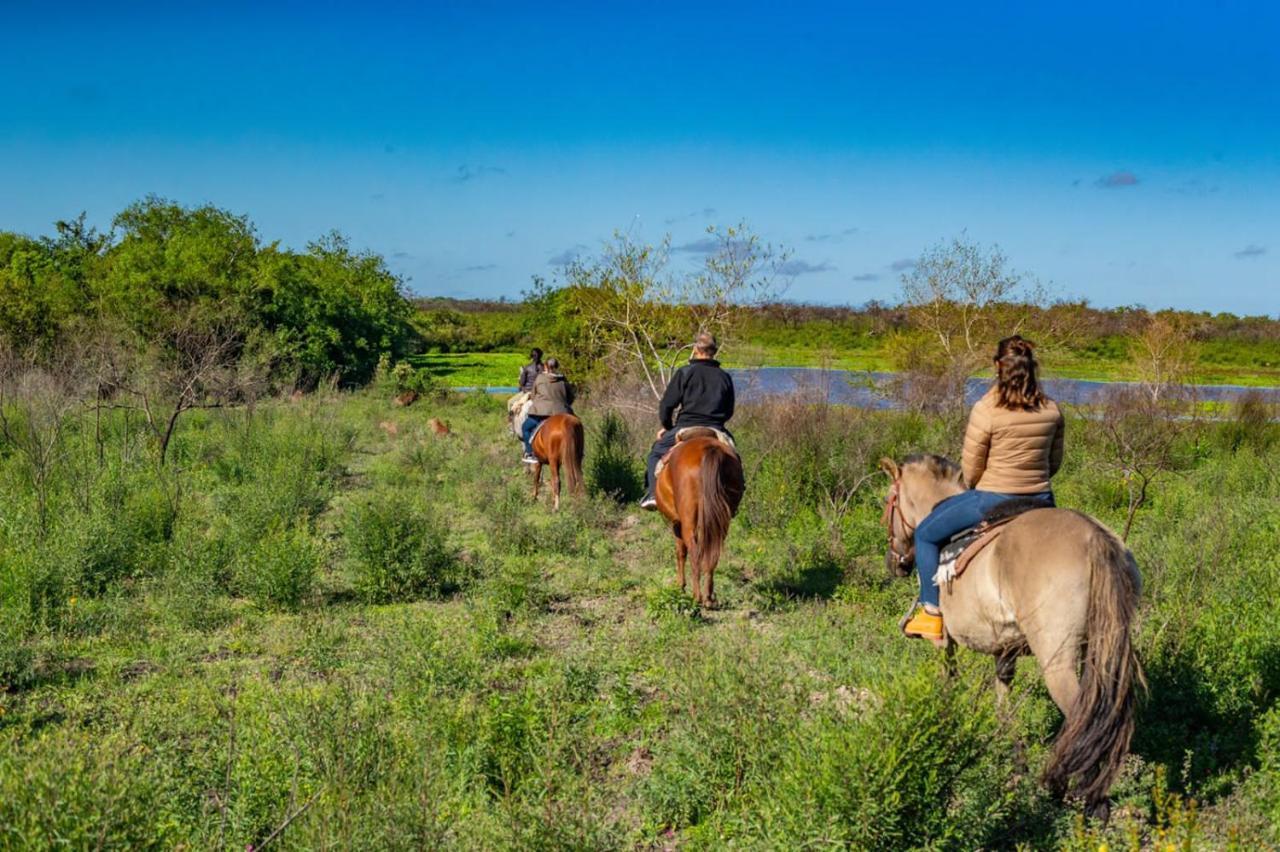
x=279 y=571
x=399 y=551
x=612 y=468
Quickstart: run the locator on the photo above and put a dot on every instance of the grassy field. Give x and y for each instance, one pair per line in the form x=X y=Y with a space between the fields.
x=325 y=627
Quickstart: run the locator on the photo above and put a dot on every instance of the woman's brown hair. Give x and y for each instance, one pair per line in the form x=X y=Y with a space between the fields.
x=1017 y=385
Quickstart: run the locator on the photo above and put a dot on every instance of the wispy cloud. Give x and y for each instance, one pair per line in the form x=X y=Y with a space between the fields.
x=867 y=276
x=903 y=264
x=833 y=237
x=480 y=267
x=1117 y=180
x=567 y=256
x=467 y=172
x=796 y=266
x=401 y=255
x=705 y=213
x=706 y=245
x=1251 y=251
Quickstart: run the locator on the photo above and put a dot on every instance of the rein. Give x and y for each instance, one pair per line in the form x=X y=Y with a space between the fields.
x=890 y=513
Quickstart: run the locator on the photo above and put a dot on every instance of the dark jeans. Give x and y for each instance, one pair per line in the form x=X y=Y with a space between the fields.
x=660 y=448
x=526 y=431
x=954 y=515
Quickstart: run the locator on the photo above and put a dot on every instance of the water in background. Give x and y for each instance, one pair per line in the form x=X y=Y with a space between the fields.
x=866 y=389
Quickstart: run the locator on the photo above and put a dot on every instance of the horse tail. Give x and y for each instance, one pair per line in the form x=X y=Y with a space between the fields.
x=571 y=453
x=711 y=523
x=1095 y=737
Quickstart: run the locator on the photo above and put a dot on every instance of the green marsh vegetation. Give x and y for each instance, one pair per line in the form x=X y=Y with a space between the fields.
x=236 y=615
x=322 y=624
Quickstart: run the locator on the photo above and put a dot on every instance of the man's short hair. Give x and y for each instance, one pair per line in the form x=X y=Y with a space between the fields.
x=553 y=364
x=705 y=343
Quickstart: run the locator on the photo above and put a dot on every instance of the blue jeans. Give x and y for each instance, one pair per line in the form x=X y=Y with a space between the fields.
x=953 y=515
x=526 y=431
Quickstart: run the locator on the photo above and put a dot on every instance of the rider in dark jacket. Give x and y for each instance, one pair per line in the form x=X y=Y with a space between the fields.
x=699 y=394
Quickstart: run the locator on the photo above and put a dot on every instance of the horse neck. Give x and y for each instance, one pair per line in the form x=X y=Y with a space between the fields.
x=931 y=494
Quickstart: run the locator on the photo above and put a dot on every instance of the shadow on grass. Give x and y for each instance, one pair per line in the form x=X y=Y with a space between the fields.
x=811 y=576
x=1197 y=728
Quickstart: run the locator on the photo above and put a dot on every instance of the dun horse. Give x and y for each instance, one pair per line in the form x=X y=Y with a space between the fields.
x=1056 y=584
x=559 y=442
x=699 y=491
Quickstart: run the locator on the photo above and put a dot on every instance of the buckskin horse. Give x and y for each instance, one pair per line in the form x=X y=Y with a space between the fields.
x=1056 y=584
x=698 y=491
x=557 y=442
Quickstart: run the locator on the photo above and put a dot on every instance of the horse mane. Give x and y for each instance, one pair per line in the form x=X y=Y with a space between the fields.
x=939 y=467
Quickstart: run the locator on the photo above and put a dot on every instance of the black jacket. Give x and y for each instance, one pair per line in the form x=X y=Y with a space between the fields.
x=702 y=392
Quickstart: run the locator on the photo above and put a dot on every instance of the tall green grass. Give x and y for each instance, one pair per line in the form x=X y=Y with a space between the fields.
x=324 y=625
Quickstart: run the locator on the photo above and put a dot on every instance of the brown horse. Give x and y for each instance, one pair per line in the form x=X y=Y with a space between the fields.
x=1056 y=584
x=699 y=491
x=559 y=442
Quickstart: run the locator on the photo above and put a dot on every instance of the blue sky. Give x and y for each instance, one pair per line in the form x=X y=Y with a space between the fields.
x=1125 y=153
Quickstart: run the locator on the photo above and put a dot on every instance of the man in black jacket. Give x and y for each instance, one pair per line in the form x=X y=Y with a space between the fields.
x=699 y=394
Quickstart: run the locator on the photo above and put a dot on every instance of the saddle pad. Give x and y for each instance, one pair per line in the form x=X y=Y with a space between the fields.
x=961 y=550
x=686 y=434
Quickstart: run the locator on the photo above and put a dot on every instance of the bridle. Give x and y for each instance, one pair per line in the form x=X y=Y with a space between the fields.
x=891 y=514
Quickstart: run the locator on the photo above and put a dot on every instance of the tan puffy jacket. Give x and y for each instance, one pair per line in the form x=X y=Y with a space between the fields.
x=1011 y=451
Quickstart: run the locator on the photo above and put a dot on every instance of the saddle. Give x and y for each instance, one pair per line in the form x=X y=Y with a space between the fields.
x=964 y=546
x=690 y=432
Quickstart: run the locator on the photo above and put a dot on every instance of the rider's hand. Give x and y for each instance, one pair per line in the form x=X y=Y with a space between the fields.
x=661 y=432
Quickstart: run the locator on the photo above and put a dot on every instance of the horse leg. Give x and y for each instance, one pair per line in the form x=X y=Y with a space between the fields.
x=1006 y=668
x=682 y=552
x=696 y=568
x=537 y=479
x=555 y=484
x=1058 y=658
x=709 y=572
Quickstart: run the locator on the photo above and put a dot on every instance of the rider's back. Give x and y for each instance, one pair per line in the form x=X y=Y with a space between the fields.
x=1012 y=450
x=703 y=393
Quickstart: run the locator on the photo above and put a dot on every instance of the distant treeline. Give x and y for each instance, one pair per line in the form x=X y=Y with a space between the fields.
x=164 y=274
x=476 y=325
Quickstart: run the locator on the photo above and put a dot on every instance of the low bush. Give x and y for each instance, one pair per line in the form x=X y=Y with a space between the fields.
x=612 y=468
x=400 y=552
x=280 y=569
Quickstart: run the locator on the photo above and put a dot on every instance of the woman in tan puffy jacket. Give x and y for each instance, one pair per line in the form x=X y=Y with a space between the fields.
x=1012 y=447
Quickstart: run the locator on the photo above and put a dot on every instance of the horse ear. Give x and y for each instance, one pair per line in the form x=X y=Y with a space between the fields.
x=890 y=467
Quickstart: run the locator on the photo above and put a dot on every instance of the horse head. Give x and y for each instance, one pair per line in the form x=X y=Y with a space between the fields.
x=920 y=483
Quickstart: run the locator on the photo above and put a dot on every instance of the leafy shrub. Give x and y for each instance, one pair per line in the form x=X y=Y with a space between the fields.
x=400 y=552
x=278 y=572
x=1250 y=424
x=670 y=600
x=612 y=468
x=420 y=381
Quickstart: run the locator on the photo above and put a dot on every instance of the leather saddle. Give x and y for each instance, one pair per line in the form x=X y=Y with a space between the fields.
x=689 y=433
x=956 y=554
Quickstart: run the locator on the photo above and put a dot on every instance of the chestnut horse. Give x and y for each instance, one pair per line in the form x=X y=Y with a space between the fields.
x=559 y=442
x=1056 y=584
x=699 y=491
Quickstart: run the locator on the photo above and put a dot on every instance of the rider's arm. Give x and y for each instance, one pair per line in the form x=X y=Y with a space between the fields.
x=977 y=443
x=1055 y=451
x=729 y=402
x=671 y=399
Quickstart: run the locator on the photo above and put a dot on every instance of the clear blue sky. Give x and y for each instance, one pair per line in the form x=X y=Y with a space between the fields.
x=1127 y=153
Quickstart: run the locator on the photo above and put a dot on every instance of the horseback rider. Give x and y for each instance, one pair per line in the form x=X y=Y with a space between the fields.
x=518 y=400
x=550 y=394
x=702 y=393
x=1012 y=447
x=530 y=371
